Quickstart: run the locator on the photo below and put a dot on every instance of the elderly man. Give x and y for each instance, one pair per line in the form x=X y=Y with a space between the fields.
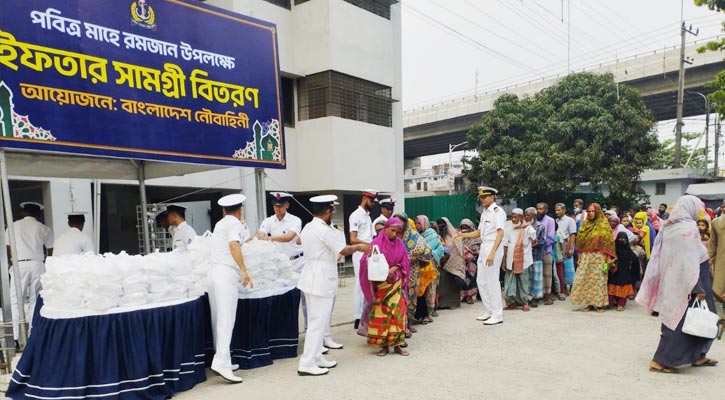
x=518 y=240
x=536 y=271
x=579 y=214
x=550 y=225
x=567 y=231
x=491 y=231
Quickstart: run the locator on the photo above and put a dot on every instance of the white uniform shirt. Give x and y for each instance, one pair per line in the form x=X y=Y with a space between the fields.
x=493 y=218
x=509 y=240
x=228 y=229
x=272 y=226
x=182 y=236
x=30 y=237
x=72 y=241
x=360 y=222
x=322 y=244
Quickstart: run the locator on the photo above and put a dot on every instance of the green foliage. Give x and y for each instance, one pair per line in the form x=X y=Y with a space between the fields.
x=580 y=130
x=717 y=98
x=665 y=157
x=718 y=5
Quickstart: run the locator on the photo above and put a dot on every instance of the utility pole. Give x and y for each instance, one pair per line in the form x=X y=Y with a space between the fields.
x=717 y=147
x=681 y=93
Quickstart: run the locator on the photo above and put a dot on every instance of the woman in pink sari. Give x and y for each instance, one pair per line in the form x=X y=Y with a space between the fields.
x=386 y=300
x=678 y=274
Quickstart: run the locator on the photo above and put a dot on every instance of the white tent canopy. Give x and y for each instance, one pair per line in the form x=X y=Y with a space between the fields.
x=707 y=191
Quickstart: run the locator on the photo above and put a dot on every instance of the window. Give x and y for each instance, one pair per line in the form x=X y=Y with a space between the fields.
x=660 y=188
x=333 y=94
x=288 y=101
x=377 y=7
x=425 y=186
x=417 y=185
x=282 y=3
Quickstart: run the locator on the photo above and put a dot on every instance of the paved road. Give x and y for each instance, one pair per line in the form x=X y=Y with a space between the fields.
x=551 y=352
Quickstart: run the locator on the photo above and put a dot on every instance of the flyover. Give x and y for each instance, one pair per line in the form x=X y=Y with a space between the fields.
x=429 y=130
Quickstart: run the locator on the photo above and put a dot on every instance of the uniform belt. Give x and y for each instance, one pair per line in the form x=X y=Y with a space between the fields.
x=28 y=259
x=296 y=257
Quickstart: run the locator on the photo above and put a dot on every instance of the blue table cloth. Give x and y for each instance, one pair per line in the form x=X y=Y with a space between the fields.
x=266 y=329
x=144 y=354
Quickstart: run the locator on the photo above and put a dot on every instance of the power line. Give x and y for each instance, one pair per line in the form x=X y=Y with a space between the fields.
x=470 y=40
x=491 y=31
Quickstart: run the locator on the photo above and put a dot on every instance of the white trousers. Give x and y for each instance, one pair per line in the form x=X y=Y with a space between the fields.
x=223 y=297
x=328 y=329
x=319 y=313
x=297 y=265
x=487 y=281
x=30 y=272
x=358 y=300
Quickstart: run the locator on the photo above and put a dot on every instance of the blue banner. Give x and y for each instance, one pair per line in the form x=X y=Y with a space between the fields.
x=163 y=80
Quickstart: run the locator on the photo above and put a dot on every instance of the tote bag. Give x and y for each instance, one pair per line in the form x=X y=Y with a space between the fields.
x=377 y=266
x=700 y=321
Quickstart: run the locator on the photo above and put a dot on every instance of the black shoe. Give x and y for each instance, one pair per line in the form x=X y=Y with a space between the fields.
x=357 y=323
x=534 y=304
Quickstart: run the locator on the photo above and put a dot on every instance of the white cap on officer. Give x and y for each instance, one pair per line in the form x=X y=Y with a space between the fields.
x=25 y=204
x=387 y=203
x=329 y=199
x=486 y=191
x=232 y=200
x=280 y=197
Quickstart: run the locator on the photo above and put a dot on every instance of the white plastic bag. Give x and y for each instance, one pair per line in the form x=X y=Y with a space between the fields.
x=377 y=266
x=700 y=321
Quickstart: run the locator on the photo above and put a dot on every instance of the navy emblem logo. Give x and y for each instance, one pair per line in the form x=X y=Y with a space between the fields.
x=143 y=15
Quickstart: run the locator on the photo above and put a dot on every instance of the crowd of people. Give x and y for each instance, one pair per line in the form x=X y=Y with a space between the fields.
x=598 y=259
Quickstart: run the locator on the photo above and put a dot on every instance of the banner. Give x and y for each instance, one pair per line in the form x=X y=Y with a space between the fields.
x=162 y=80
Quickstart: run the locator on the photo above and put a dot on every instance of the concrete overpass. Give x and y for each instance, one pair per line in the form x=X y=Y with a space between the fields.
x=429 y=130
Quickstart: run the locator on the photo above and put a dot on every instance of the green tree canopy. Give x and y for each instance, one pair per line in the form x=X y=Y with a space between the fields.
x=665 y=157
x=583 y=129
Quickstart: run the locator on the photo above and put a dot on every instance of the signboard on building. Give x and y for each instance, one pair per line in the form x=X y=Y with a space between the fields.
x=163 y=80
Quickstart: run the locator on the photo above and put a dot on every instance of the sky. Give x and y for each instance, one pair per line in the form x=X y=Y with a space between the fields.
x=457 y=48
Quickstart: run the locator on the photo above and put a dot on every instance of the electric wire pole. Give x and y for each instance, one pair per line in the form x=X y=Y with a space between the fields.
x=681 y=93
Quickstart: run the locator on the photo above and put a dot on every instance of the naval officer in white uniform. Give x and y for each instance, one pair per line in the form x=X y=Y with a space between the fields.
x=322 y=244
x=74 y=241
x=34 y=241
x=283 y=229
x=224 y=277
x=361 y=232
x=182 y=234
x=491 y=231
x=387 y=206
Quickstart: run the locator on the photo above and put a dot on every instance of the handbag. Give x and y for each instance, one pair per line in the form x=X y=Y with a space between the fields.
x=377 y=266
x=700 y=321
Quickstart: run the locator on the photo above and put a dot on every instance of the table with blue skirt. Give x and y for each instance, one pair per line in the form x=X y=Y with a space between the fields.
x=150 y=352
x=266 y=328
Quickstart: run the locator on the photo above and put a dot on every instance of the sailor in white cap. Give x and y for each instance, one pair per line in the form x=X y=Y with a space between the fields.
x=182 y=233
x=34 y=241
x=73 y=240
x=283 y=229
x=387 y=206
x=226 y=273
x=322 y=245
x=491 y=230
x=361 y=232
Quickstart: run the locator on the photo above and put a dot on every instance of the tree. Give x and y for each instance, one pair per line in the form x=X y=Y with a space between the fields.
x=583 y=129
x=718 y=5
x=665 y=156
x=717 y=97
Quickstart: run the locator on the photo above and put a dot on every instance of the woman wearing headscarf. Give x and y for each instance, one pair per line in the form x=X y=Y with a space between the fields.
x=386 y=325
x=620 y=285
x=423 y=225
x=677 y=275
x=595 y=245
x=453 y=271
x=420 y=258
x=471 y=248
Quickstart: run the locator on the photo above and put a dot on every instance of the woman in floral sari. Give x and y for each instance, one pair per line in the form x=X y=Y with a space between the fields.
x=423 y=226
x=386 y=325
x=420 y=257
x=595 y=245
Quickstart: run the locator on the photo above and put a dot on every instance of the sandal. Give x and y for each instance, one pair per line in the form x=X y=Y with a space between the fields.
x=656 y=367
x=510 y=307
x=408 y=334
x=705 y=362
x=399 y=350
x=585 y=309
x=413 y=330
x=600 y=309
x=470 y=300
x=427 y=320
x=620 y=308
x=383 y=352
